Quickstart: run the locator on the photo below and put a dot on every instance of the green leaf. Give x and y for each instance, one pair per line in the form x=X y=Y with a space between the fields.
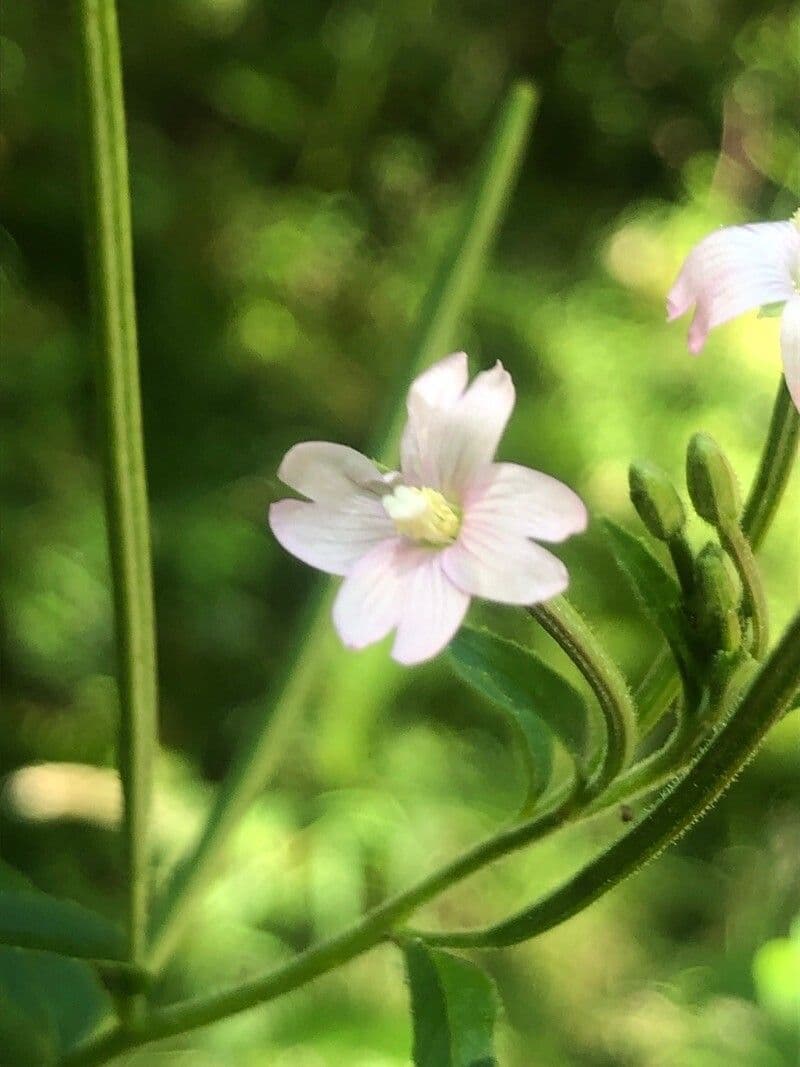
x=655 y=589
x=539 y=702
x=453 y=1007
x=30 y=919
x=47 y=1004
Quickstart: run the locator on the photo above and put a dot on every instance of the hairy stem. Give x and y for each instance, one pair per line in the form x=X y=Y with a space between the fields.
x=114 y=322
x=682 y=804
x=376 y=926
x=755 y=602
x=767 y=699
x=567 y=627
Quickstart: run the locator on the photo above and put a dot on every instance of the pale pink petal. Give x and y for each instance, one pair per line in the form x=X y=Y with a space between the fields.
x=327 y=537
x=438 y=387
x=459 y=441
x=790 y=347
x=327 y=472
x=432 y=610
x=370 y=600
x=732 y=271
x=522 y=501
x=442 y=384
x=503 y=567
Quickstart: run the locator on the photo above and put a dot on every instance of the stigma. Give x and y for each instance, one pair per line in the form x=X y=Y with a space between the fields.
x=423 y=515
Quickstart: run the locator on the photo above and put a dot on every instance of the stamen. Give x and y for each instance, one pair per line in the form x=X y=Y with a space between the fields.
x=423 y=515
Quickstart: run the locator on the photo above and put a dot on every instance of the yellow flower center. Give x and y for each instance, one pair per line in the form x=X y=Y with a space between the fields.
x=422 y=515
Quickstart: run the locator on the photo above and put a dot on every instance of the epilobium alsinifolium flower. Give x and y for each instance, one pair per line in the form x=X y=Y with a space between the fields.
x=415 y=545
x=740 y=268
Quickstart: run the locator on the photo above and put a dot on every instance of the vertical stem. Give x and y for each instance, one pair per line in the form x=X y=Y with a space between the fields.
x=277 y=717
x=114 y=325
x=774 y=468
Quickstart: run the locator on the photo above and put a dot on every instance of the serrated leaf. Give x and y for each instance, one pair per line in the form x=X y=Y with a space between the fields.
x=656 y=590
x=540 y=703
x=453 y=1007
x=30 y=919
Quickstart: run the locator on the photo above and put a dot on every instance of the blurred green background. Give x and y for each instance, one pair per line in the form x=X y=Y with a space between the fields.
x=297 y=171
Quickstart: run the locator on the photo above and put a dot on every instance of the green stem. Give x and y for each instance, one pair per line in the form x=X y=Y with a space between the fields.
x=661 y=685
x=683 y=803
x=568 y=628
x=765 y=702
x=276 y=720
x=369 y=931
x=755 y=602
x=774 y=468
x=114 y=320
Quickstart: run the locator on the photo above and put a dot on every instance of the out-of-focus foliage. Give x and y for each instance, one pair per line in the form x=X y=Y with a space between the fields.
x=296 y=170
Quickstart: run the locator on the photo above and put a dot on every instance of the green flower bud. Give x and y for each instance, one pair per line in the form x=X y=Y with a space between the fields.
x=719 y=595
x=711 y=482
x=717 y=579
x=656 y=500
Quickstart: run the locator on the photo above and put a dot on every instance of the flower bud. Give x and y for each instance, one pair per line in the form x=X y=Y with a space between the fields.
x=711 y=482
x=719 y=594
x=656 y=500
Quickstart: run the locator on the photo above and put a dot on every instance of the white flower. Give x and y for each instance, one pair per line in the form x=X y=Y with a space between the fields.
x=740 y=268
x=414 y=546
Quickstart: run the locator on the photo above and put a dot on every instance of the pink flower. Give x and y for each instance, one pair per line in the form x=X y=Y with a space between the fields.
x=414 y=546
x=740 y=268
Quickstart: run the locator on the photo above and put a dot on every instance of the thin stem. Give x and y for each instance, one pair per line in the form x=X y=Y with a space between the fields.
x=275 y=722
x=765 y=702
x=661 y=685
x=369 y=931
x=568 y=628
x=755 y=602
x=114 y=321
x=682 y=804
x=772 y=476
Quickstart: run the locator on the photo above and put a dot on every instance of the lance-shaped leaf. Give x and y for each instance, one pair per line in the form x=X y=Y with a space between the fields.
x=655 y=589
x=539 y=703
x=453 y=1007
x=30 y=919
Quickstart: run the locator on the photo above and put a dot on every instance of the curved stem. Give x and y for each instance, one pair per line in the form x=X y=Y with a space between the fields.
x=363 y=935
x=765 y=702
x=772 y=476
x=684 y=802
x=114 y=320
x=755 y=602
x=567 y=627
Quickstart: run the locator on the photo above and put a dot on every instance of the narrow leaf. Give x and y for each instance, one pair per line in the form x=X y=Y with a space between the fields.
x=453 y=1007
x=29 y=919
x=656 y=591
x=534 y=696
